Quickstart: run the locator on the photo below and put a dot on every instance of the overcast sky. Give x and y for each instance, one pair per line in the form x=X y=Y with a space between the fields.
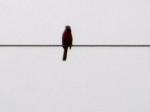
x=92 y=79
x=92 y=21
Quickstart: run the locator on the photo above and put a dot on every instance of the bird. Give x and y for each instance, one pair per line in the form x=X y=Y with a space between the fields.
x=66 y=41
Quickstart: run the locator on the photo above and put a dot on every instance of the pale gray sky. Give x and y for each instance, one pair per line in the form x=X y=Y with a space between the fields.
x=92 y=21
x=92 y=79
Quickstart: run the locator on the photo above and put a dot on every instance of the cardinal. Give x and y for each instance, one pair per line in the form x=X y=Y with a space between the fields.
x=66 y=41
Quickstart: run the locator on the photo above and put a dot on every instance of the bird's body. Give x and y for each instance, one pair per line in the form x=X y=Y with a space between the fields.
x=66 y=41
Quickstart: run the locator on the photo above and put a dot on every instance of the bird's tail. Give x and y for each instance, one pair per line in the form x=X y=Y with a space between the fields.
x=65 y=54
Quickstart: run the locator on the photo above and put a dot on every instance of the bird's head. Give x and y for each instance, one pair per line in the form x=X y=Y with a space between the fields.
x=68 y=28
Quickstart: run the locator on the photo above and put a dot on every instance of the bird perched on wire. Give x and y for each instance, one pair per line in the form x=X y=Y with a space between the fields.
x=66 y=41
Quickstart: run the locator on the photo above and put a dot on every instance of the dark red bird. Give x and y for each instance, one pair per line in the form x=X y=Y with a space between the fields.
x=66 y=41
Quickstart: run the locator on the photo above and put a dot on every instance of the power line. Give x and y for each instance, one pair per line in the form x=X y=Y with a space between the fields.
x=81 y=45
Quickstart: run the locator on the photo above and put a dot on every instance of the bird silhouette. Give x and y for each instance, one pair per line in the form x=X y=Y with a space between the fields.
x=66 y=41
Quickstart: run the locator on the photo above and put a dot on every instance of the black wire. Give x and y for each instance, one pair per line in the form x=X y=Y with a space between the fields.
x=81 y=45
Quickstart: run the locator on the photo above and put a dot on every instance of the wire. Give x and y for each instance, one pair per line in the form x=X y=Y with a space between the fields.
x=81 y=45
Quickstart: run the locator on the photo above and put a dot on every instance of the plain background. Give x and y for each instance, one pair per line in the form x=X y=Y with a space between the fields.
x=92 y=79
